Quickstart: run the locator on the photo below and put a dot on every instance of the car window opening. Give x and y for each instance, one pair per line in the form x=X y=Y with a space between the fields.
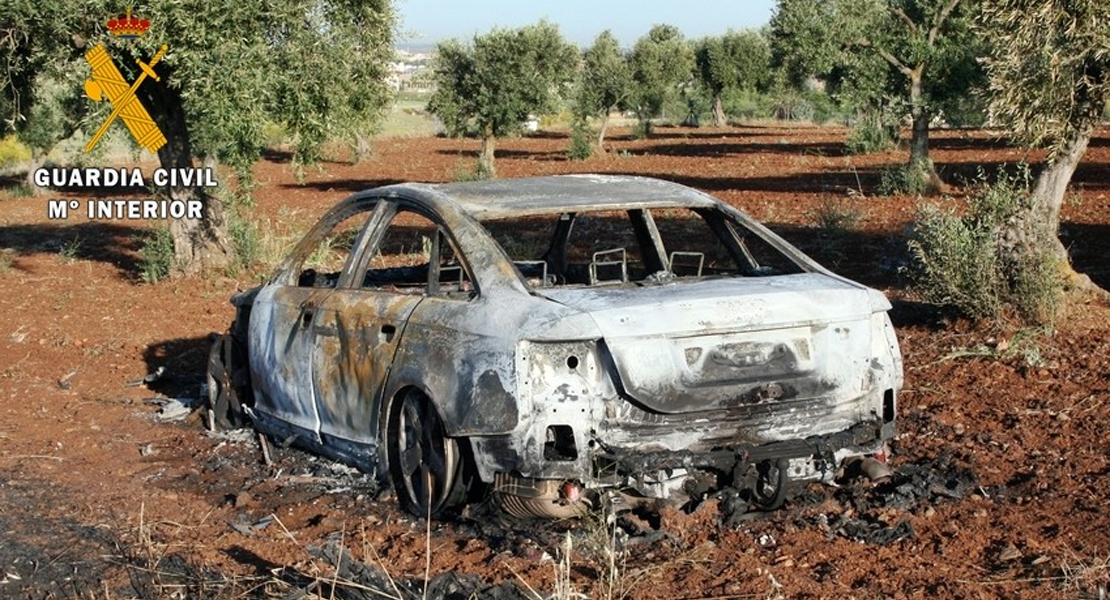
x=324 y=262
x=635 y=247
x=415 y=256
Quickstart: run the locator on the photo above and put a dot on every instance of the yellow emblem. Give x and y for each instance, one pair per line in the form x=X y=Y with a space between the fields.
x=107 y=80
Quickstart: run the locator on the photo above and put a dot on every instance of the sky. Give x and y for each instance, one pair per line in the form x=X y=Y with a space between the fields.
x=429 y=21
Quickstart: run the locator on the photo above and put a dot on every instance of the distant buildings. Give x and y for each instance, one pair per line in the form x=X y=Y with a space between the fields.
x=411 y=72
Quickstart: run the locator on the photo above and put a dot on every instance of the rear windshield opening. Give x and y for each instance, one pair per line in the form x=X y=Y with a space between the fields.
x=639 y=246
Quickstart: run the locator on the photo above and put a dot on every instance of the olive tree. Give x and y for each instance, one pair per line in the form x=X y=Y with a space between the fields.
x=919 y=40
x=733 y=61
x=489 y=87
x=316 y=67
x=604 y=82
x=1049 y=75
x=661 y=62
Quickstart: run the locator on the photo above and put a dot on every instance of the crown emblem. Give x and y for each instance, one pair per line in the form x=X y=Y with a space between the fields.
x=128 y=27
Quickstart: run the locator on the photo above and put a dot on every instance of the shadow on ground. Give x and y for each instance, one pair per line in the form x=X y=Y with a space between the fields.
x=178 y=367
x=1089 y=245
x=108 y=242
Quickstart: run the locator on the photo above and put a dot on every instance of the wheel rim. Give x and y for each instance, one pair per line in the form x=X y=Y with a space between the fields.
x=425 y=460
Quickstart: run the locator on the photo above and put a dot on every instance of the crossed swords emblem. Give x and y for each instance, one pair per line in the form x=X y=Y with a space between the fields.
x=107 y=81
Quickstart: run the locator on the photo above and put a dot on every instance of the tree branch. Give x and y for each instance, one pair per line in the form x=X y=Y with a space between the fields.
x=941 y=18
x=888 y=57
x=901 y=14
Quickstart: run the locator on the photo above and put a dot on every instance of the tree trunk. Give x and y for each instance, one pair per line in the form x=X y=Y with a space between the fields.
x=362 y=149
x=485 y=159
x=719 y=119
x=198 y=244
x=601 y=132
x=1037 y=229
x=1048 y=194
x=919 y=140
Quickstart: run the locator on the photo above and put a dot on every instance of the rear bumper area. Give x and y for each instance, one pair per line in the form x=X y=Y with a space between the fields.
x=596 y=464
x=864 y=438
x=630 y=476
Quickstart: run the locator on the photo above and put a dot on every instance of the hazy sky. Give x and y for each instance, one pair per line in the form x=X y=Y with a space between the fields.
x=428 y=21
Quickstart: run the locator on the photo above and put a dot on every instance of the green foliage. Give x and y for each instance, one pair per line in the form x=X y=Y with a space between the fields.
x=580 y=146
x=13 y=152
x=34 y=53
x=745 y=105
x=868 y=51
x=957 y=88
x=790 y=103
x=900 y=180
x=871 y=134
x=492 y=85
x=804 y=42
x=661 y=62
x=230 y=70
x=835 y=219
x=963 y=262
x=955 y=262
x=605 y=79
x=55 y=113
x=71 y=250
x=1050 y=66
x=246 y=239
x=156 y=255
x=21 y=190
x=693 y=104
x=733 y=61
x=466 y=171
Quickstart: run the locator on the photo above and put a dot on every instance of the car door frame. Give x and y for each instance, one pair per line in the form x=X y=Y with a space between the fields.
x=365 y=327
x=282 y=345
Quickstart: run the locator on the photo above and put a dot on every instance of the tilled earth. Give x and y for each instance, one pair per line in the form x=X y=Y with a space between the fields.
x=1002 y=467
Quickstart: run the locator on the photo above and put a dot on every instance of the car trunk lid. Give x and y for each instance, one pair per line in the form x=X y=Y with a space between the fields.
x=730 y=342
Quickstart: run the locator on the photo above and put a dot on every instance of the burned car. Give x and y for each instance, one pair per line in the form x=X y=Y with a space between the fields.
x=561 y=340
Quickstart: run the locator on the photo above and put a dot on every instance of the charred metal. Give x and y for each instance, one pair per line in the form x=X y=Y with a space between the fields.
x=557 y=340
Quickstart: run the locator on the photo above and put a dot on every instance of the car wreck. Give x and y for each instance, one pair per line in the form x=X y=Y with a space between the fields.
x=560 y=341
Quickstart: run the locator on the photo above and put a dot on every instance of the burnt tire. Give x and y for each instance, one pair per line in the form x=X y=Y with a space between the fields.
x=424 y=464
x=228 y=384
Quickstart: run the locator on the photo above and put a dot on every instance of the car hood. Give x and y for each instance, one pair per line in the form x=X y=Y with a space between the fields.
x=717 y=343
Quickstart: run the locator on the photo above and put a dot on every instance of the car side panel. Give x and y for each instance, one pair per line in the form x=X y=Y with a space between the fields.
x=462 y=356
x=281 y=344
x=355 y=337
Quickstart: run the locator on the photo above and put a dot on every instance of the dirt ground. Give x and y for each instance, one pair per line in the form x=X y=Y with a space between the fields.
x=1003 y=458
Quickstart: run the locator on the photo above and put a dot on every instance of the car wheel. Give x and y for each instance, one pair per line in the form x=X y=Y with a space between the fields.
x=423 y=461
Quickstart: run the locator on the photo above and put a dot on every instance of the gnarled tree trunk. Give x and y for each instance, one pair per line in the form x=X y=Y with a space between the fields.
x=1038 y=228
x=198 y=244
x=919 y=139
x=485 y=159
x=601 y=132
x=38 y=159
x=719 y=118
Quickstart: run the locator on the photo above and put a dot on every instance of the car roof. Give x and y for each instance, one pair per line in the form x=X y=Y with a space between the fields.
x=504 y=198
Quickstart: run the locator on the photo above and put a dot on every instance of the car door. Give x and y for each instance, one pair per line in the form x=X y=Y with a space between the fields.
x=283 y=320
x=281 y=345
x=359 y=327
